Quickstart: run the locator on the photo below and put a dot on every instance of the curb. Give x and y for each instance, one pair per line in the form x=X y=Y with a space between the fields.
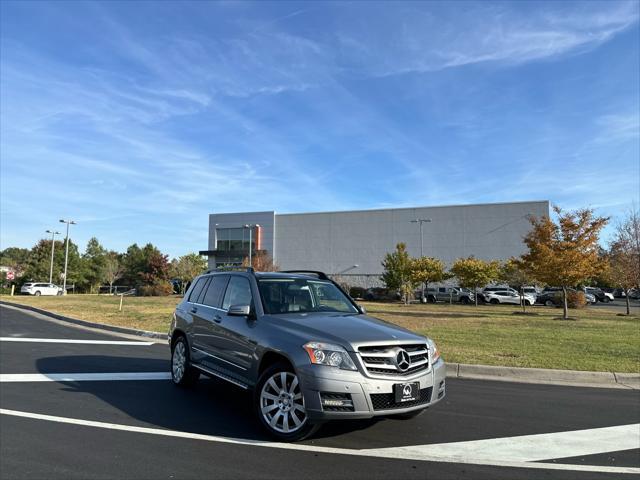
x=544 y=376
x=454 y=370
x=85 y=323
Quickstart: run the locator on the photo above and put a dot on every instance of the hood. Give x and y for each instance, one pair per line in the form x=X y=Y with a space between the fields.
x=344 y=329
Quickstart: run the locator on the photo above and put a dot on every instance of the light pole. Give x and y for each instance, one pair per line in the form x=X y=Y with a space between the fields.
x=420 y=221
x=53 y=243
x=347 y=269
x=66 y=255
x=250 y=227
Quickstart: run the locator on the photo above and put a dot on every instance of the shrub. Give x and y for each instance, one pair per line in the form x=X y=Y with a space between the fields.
x=575 y=299
x=357 y=292
x=157 y=290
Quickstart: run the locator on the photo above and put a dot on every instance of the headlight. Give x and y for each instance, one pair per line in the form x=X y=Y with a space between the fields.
x=330 y=355
x=435 y=353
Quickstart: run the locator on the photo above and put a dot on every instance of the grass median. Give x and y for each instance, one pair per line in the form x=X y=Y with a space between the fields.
x=598 y=340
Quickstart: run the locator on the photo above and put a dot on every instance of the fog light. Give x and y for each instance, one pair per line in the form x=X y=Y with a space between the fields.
x=336 y=400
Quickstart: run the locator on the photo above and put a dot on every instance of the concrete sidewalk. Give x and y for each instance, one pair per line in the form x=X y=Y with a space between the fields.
x=454 y=370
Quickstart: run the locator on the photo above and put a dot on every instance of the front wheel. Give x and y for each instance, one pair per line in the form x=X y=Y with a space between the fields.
x=37 y=294
x=279 y=404
x=549 y=303
x=494 y=301
x=606 y=299
x=527 y=303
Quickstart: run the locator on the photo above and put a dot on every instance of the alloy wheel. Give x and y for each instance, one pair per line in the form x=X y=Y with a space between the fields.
x=282 y=403
x=178 y=361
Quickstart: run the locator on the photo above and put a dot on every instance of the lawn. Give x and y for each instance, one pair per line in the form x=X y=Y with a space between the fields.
x=597 y=340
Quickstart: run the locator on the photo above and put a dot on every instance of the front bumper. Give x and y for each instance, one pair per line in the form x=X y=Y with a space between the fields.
x=371 y=397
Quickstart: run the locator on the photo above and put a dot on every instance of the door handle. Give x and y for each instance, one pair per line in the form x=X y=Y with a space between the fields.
x=194 y=310
x=217 y=318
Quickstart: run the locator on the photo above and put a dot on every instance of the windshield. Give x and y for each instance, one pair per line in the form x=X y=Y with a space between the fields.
x=298 y=295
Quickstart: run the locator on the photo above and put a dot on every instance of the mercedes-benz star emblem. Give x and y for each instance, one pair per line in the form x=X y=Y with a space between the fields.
x=403 y=360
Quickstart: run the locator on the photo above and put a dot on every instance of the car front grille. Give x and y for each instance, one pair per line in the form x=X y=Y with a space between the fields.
x=380 y=360
x=386 y=401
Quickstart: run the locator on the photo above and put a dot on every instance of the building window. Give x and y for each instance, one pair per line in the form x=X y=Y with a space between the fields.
x=234 y=239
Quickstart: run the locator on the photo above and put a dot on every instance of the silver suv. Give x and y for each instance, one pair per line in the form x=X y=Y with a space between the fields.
x=304 y=348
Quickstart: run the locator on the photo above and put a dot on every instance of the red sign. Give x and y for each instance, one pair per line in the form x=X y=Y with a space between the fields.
x=10 y=275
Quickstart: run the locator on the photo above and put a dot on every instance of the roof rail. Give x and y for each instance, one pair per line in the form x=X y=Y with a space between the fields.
x=320 y=275
x=231 y=269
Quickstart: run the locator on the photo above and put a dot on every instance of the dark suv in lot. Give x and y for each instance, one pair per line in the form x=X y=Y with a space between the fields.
x=304 y=348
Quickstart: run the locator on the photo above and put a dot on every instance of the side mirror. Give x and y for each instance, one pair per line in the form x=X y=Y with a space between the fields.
x=362 y=309
x=239 y=311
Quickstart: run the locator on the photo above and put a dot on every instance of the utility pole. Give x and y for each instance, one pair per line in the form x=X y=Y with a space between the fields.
x=66 y=256
x=53 y=243
x=420 y=221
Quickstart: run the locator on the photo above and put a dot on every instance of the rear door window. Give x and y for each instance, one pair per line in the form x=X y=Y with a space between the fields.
x=213 y=294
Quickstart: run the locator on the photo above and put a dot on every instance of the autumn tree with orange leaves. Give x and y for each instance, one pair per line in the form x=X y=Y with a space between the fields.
x=564 y=253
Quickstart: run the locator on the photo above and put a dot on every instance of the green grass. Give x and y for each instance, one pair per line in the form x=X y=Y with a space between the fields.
x=598 y=340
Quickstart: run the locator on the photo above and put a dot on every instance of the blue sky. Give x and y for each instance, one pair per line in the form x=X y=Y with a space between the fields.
x=138 y=119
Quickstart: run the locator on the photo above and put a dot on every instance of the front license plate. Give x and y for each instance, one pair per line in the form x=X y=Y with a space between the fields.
x=406 y=392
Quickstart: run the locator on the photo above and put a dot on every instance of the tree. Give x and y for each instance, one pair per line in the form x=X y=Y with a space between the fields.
x=624 y=254
x=473 y=272
x=565 y=253
x=397 y=271
x=16 y=258
x=187 y=267
x=94 y=259
x=261 y=262
x=113 y=268
x=513 y=273
x=425 y=270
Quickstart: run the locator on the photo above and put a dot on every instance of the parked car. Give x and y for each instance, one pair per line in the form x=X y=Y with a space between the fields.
x=508 y=296
x=305 y=349
x=381 y=294
x=448 y=294
x=599 y=294
x=488 y=290
x=549 y=296
x=38 y=289
x=533 y=291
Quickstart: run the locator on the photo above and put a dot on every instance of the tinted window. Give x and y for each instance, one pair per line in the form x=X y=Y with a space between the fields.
x=214 y=290
x=238 y=292
x=197 y=289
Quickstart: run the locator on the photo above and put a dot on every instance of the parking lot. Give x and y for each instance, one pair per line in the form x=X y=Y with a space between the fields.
x=79 y=403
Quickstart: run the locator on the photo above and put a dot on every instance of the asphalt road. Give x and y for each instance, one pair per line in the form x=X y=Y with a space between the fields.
x=101 y=426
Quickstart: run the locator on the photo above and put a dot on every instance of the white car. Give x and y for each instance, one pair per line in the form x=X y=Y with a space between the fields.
x=38 y=289
x=508 y=296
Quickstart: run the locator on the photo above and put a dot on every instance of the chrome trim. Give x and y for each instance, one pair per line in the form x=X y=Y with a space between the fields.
x=218 y=358
x=220 y=376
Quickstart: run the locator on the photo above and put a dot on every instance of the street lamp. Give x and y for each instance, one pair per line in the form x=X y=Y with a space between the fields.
x=250 y=227
x=66 y=255
x=420 y=221
x=53 y=243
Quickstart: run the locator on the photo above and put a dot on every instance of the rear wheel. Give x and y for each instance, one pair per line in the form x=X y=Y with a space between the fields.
x=465 y=300
x=279 y=404
x=494 y=301
x=606 y=299
x=37 y=294
x=549 y=303
x=182 y=373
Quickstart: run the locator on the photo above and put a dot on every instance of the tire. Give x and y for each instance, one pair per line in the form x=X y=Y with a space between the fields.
x=38 y=293
x=59 y=294
x=549 y=303
x=409 y=415
x=431 y=299
x=527 y=303
x=182 y=373
x=606 y=300
x=494 y=301
x=465 y=300
x=278 y=390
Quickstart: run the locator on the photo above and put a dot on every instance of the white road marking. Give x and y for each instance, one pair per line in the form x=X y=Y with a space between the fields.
x=66 y=340
x=533 y=448
x=82 y=377
x=401 y=453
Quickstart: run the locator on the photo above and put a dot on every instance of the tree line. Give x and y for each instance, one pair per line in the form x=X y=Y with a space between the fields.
x=563 y=253
x=145 y=268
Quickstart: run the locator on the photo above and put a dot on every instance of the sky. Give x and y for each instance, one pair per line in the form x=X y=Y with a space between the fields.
x=138 y=119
